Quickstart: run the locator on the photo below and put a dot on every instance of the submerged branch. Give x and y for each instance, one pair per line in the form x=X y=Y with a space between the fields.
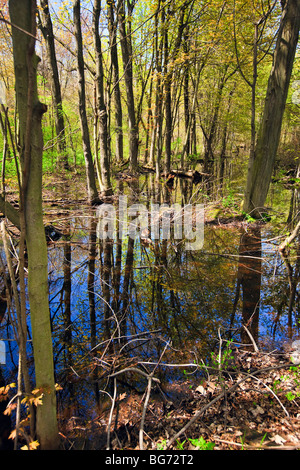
x=285 y=244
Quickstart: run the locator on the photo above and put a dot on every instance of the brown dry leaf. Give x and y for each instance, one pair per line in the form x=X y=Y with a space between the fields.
x=278 y=439
x=201 y=389
x=257 y=411
x=32 y=446
x=9 y=409
x=12 y=434
x=211 y=387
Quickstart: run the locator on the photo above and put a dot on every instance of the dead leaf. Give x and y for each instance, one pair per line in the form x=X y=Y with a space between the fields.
x=201 y=389
x=211 y=387
x=278 y=439
x=257 y=411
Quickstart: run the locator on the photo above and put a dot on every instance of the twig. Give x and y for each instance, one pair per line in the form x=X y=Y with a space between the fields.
x=150 y=378
x=251 y=337
x=111 y=414
x=289 y=239
x=19 y=394
x=17 y=27
x=133 y=369
x=201 y=411
x=141 y=432
x=271 y=391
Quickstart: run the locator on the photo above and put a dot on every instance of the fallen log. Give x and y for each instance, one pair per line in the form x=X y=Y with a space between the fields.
x=286 y=243
x=10 y=212
x=195 y=175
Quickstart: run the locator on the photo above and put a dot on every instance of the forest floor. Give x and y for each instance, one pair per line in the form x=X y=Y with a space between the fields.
x=253 y=406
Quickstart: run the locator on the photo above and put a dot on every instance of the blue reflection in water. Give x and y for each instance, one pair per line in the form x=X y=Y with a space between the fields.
x=156 y=294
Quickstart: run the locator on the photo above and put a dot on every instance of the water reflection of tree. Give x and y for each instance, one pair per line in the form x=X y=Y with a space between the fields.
x=249 y=279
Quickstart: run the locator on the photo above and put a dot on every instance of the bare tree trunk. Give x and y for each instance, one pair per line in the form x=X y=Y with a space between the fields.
x=128 y=74
x=45 y=26
x=30 y=112
x=182 y=24
x=112 y=27
x=105 y=188
x=168 y=106
x=157 y=135
x=90 y=171
x=211 y=134
x=156 y=119
x=261 y=168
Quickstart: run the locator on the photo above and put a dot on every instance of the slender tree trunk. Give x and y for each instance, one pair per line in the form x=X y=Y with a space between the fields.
x=30 y=112
x=156 y=129
x=211 y=135
x=186 y=96
x=47 y=31
x=105 y=181
x=168 y=104
x=261 y=168
x=128 y=74
x=224 y=143
x=112 y=28
x=90 y=171
x=182 y=23
x=158 y=135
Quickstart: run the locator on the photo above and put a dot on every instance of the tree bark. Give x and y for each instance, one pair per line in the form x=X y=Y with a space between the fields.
x=46 y=28
x=182 y=24
x=90 y=171
x=261 y=168
x=105 y=182
x=112 y=28
x=30 y=112
x=155 y=120
x=128 y=74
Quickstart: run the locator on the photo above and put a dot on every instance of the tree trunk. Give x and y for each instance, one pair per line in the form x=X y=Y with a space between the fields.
x=261 y=168
x=90 y=171
x=209 y=158
x=112 y=28
x=105 y=188
x=47 y=31
x=30 y=111
x=155 y=120
x=128 y=74
x=168 y=104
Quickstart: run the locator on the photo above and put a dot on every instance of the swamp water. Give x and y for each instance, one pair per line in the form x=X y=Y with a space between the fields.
x=153 y=306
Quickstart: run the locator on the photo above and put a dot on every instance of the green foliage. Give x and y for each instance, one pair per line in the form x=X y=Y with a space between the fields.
x=199 y=444
x=223 y=360
x=180 y=445
x=162 y=445
x=247 y=217
x=229 y=201
x=202 y=444
x=279 y=385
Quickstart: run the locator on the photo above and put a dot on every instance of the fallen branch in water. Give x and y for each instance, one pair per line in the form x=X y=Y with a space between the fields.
x=289 y=239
